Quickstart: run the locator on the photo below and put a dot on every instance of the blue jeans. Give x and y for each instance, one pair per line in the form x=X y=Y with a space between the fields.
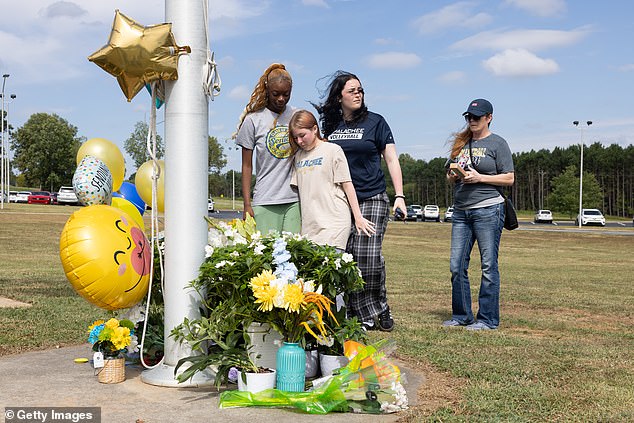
x=483 y=225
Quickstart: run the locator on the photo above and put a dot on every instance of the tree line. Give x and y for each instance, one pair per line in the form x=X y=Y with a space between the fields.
x=46 y=145
x=543 y=179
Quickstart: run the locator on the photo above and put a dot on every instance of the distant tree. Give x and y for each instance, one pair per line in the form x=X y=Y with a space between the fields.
x=45 y=149
x=136 y=144
x=565 y=195
x=217 y=158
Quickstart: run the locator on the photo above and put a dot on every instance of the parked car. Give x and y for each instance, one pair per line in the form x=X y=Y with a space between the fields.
x=66 y=195
x=411 y=214
x=448 y=214
x=13 y=196
x=591 y=217
x=419 y=210
x=39 y=197
x=210 y=204
x=53 y=198
x=431 y=212
x=543 y=216
x=22 y=196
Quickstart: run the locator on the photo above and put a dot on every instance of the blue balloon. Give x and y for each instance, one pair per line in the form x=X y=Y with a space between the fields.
x=129 y=192
x=116 y=194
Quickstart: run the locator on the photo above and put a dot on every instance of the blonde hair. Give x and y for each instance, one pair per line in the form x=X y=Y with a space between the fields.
x=260 y=96
x=460 y=139
x=301 y=119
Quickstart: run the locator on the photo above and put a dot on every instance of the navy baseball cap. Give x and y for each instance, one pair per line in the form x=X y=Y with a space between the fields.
x=479 y=107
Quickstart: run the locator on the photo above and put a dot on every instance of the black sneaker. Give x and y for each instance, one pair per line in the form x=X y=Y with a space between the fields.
x=368 y=325
x=385 y=321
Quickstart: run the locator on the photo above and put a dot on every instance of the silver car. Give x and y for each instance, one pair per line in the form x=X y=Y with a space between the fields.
x=66 y=195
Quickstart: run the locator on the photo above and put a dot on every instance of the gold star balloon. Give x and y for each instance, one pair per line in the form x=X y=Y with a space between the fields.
x=137 y=54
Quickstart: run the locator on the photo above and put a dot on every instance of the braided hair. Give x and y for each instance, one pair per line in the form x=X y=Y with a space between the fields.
x=260 y=95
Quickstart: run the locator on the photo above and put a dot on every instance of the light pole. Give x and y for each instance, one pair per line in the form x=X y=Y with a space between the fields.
x=2 y=171
x=576 y=123
x=7 y=167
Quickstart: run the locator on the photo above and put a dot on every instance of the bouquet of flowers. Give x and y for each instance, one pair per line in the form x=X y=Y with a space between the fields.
x=292 y=305
x=111 y=337
x=370 y=383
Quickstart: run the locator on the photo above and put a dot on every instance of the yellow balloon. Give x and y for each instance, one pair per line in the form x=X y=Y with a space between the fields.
x=106 y=257
x=143 y=183
x=130 y=209
x=107 y=152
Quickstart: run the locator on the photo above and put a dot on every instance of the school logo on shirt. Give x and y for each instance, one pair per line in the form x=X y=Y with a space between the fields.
x=346 y=134
x=277 y=142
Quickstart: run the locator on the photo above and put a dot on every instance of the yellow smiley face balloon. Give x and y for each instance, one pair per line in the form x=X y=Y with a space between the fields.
x=106 y=257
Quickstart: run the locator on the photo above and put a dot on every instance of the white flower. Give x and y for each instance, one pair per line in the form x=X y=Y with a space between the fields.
x=338 y=264
x=134 y=314
x=359 y=272
x=325 y=262
x=309 y=286
x=234 y=254
x=259 y=249
x=209 y=250
x=327 y=341
x=134 y=344
x=400 y=399
x=347 y=258
x=223 y=263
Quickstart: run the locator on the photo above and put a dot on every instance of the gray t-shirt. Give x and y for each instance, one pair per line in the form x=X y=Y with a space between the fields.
x=491 y=156
x=272 y=150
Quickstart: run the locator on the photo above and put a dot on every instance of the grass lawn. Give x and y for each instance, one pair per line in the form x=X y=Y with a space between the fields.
x=564 y=350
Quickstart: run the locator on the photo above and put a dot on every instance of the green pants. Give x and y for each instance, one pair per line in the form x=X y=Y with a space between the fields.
x=279 y=217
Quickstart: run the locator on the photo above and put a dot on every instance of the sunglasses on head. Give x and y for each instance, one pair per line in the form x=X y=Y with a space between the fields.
x=469 y=117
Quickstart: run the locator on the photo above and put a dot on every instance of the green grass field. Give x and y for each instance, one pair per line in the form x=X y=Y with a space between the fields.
x=564 y=350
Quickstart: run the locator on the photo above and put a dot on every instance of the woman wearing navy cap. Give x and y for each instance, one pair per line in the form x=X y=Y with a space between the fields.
x=483 y=165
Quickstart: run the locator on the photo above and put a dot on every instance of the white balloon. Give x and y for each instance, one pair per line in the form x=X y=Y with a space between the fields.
x=92 y=182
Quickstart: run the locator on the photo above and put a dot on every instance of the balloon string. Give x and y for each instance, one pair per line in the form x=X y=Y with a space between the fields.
x=151 y=148
x=211 y=77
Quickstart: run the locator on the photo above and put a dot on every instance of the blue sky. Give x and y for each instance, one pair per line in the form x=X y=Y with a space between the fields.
x=542 y=63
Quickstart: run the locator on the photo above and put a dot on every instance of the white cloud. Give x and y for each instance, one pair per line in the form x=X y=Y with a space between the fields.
x=63 y=9
x=455 y=15
x=626 y=68
x=452 y=77
x=385 y=41
x=241 y=92
x=519 y=63
x=393 y=60
x=544 y=8
x=531 y=39
x=318 y=3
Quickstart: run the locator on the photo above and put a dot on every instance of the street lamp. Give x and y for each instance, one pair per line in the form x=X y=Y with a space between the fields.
x=7 y=167
x=2 y=171
x=576 y=123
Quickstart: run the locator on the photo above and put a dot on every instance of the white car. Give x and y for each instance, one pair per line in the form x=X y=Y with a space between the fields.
x=66 y=195
x=449 y=214
x=418 y=209
x=210 y=205
x=22 y=197
x=591 y=217
x=13 y=196
x=431 y=212
x=544 y=216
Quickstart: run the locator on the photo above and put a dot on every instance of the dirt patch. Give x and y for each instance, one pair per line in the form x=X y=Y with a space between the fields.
x=9 y=303
x=439 y=390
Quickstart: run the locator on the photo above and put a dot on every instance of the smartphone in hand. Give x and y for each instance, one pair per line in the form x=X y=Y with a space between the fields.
x=399 y=215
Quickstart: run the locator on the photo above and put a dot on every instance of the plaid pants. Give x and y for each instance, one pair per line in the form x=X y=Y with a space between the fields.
x=367 y=252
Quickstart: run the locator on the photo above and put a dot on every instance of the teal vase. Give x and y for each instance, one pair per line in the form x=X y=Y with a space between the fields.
x=291 y=367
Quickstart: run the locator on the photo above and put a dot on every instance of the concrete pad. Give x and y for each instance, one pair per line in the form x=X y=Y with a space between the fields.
x=9 y=303
x=52 y=379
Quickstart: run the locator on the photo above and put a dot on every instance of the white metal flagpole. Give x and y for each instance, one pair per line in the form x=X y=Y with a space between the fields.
x=186 y=190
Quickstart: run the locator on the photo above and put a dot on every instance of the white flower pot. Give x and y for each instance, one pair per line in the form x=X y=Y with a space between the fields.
x=257 y=382
x=312 y=363
x=265 y=341
x=328 y=363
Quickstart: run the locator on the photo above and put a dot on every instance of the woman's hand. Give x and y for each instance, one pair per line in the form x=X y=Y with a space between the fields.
x=364 y=225
x=472 y=177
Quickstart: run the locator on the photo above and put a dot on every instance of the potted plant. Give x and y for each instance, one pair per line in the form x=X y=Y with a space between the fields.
x=111 y=338
x=229 y=356
x=331 y=357
x=236 y=254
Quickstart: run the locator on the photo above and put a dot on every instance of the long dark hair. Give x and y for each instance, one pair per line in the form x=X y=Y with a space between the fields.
x=330 y=114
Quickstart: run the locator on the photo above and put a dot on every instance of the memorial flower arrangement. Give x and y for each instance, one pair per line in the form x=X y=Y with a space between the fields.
x=280 y=279
x=111 y=337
